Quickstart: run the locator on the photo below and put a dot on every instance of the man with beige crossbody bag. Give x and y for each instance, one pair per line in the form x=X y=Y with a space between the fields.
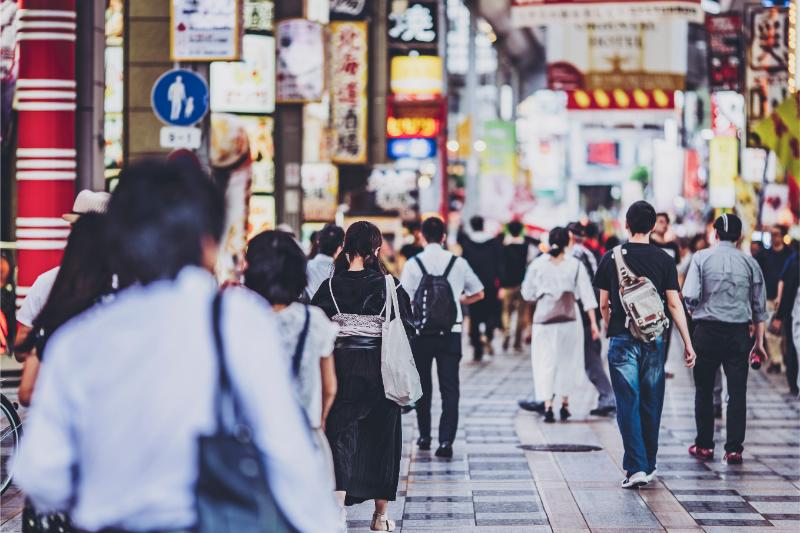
x=634 y=281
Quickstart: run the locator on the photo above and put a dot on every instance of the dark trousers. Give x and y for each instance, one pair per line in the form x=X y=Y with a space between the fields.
x=486 y=312
x=720 y=343
x=446 y=350
x=790 y=357
x=593 y=364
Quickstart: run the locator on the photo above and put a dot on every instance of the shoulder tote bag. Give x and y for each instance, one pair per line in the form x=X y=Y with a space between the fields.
x=400 y=377
x=561 y=309
x=232 y=491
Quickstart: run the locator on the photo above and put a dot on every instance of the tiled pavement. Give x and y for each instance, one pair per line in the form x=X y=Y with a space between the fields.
x=491 y=485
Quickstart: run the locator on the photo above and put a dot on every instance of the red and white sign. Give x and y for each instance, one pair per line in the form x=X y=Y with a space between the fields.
x=531 y=13
x=349 y=91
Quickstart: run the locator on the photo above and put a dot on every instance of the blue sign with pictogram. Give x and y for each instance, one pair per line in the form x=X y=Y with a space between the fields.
x=180 y=97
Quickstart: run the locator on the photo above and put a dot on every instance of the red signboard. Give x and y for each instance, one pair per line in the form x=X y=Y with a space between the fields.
x=725 y=52
x=619 y=99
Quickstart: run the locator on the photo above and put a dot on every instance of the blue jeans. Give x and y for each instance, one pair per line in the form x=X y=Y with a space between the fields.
x=637 y=375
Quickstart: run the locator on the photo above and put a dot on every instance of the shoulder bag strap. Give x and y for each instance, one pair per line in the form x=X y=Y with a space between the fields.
x=330 y=288
x=626 y=277
x=450 y=266
x=225 y=393
x=297 y=358
x=421 y=266
x=387 y=305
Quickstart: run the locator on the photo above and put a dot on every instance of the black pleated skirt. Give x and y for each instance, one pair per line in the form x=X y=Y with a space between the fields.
x=363 y=427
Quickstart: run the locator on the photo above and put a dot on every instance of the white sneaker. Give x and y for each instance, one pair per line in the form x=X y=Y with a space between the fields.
x=639 y=479
x=652 y=475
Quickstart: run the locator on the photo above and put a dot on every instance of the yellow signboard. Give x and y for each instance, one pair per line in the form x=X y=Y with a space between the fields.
x=416 y=75
x=723 y=166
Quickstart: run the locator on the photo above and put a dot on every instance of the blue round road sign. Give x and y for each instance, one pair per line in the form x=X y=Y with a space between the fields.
x=180 y=97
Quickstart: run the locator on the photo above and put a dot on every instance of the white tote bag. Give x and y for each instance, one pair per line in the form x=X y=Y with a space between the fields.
x=400 y=377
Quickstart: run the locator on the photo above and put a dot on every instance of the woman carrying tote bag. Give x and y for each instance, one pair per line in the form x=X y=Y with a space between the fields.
x=556 y=281
x=363 y=427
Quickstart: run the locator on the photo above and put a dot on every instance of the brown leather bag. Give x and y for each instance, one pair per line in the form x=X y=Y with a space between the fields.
x=562 y=309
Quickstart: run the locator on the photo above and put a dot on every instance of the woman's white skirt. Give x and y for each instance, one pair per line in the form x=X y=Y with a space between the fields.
x=557 y=359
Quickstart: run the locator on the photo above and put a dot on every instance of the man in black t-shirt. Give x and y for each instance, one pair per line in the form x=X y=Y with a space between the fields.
x=636 y=366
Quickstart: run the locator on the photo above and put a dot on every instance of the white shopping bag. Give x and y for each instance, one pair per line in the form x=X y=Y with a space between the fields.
x=400 y=377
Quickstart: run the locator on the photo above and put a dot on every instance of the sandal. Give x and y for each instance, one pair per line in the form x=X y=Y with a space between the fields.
x=381 y=523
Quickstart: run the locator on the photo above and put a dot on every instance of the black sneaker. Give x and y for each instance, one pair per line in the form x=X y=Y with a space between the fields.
x=564 y=413
x=529 y=405
x=608 y=410
x=424 y=443
x=445 y=450
x=549 y=417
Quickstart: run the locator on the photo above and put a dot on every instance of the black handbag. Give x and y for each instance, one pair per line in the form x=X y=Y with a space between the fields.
x=233 y=492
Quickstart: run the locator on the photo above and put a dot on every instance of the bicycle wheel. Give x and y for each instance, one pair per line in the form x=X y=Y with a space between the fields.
x=10 y=433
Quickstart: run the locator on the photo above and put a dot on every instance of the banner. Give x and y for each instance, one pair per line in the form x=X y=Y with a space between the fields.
x=767 y=73
x=349 y=91
x=723 y=159
x=532 y=13
x=300 y=74
x=246 y=86
x=498 y=169
x=320 y=191
x=617 y=55
x=724 y=33
x=204 y=30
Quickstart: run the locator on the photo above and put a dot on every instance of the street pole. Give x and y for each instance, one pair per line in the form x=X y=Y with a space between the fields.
x=471 y=197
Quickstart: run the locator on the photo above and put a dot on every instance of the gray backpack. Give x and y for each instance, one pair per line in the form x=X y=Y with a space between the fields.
x=645 y=317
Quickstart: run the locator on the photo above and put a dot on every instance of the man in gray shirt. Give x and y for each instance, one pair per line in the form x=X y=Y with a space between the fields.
x=725 y=293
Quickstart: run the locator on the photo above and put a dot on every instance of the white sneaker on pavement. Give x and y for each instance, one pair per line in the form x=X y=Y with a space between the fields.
x=652 y=475
x=639 y=479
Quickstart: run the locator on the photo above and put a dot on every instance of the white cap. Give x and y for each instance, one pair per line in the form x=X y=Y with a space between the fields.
x=88 y=202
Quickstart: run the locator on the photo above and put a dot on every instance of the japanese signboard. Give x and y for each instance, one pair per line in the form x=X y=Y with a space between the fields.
x=531 y=13
x=259 y=15
x=419 y=76
x=204 y=30
x=262 y=152
x=300 y=75
x=617 y=55
x=320 y=191
x=724 y=34
x=261 y=216
x=618 y=99
x=347 y=8
x=413 y=23
x=498 y=169
x=767 y=72
x=723 y=159
x=246 y=86
x=393 y=187
x=349 y=91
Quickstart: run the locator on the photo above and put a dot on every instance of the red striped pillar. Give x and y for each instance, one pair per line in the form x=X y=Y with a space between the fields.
x=46 y=167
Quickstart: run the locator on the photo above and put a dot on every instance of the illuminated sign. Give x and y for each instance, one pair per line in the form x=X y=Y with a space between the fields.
x=620 y=99
x=204 y=30
x=416 y=75
x=411 y=148
x=397 y=128
x=416 y=23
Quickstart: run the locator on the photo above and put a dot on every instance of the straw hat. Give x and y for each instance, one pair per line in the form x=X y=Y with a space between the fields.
x=88 y=202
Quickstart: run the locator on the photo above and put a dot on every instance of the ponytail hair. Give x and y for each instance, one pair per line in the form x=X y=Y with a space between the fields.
x=559 y=240
x=362 y=239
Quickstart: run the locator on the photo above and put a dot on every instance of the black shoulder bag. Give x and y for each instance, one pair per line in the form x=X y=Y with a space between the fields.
x=233 y=493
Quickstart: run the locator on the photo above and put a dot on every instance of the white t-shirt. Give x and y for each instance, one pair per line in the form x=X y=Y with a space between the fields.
x=37 y=297
x=319 y=343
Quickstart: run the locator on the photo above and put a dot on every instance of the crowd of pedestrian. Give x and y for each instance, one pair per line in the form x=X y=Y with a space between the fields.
x=279 y=380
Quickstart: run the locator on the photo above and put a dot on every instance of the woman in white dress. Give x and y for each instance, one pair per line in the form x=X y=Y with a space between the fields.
x=556 y=281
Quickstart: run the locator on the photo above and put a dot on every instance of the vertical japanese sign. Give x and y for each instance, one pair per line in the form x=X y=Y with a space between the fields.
x=723 y=165
x=767 y=76
x=724 y=52
x=300 y=74
x=498 y=169
x=320 y=191
x=349 y=91
x=204 y=30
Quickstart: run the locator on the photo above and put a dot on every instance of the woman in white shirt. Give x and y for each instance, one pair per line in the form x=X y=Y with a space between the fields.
x=556 y=281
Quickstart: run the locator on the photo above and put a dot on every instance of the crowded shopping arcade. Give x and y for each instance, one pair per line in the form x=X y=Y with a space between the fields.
x=435 y=266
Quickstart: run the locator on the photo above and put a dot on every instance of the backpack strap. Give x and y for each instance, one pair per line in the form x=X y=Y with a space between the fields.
x=626 y=277
x=421 y=266
x=297 y=358
x=450 y=266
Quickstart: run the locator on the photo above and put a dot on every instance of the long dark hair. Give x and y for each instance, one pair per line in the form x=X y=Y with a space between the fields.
x=362 y=239
x=84 y=276
x=276 y=267
x=559 y=240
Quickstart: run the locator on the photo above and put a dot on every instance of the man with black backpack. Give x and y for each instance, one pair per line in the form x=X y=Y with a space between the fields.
x=635 y=281
x=438 y=282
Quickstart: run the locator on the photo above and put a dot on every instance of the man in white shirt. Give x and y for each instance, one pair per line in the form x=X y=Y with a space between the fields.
x=320 y=267
x=128 y=417
x=444 y=347
x=86 y=202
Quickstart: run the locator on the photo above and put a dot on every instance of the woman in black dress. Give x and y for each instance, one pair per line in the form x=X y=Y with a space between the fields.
x=363 y=427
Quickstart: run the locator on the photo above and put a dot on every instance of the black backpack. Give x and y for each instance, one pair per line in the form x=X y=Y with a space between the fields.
x=434 y=307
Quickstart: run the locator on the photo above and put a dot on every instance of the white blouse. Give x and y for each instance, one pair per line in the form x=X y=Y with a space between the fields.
x=546 y=278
